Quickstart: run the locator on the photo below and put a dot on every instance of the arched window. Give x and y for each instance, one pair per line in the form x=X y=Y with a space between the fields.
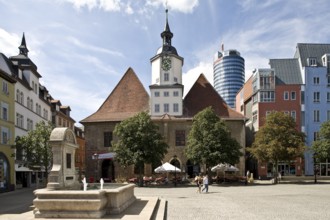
x=22 y=98
x=28 y=102
x=18 y=95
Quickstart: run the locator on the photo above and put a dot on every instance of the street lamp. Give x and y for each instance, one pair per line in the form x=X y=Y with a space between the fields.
x=175 y=169
x=96 y=157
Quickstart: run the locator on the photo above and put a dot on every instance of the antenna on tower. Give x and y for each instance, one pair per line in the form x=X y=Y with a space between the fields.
x=166 y=9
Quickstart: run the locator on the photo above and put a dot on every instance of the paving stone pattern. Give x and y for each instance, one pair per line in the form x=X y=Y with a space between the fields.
x=283 y=201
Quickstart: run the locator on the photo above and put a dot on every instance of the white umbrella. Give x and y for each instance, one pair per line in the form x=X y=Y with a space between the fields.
x=219 y=167
x=224 y=167
x=231 y=168
x=166 y=168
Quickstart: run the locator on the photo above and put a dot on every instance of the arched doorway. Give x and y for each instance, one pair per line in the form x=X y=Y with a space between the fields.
x=108 y=170
x=176 y=162
x=4 y=173
x=192 y=169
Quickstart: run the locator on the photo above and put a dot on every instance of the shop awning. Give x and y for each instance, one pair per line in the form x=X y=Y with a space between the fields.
x=107 y=155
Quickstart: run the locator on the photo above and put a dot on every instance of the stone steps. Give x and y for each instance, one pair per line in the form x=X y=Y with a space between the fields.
x=160 y=210
x=144 y=208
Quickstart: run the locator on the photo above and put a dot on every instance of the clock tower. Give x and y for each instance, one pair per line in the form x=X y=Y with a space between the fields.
x=166 y=89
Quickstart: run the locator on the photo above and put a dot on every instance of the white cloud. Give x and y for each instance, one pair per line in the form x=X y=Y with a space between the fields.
x=110 y=5
x=106 y=5
x=99 y=66
x=90 y=4
x=185 y=6
x=255 y=4
x=78 y=92
x=190 y=77
x=8 y=42
x=86 y=46
x=129 y=10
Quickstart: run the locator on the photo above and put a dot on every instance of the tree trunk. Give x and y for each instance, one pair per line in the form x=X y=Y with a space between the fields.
x=140 y=179
x=276 y=172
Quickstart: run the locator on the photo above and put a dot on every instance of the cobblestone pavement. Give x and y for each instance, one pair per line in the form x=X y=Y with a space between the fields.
x=282 y=201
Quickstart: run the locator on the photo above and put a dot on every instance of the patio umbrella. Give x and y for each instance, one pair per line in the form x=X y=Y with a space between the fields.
x=167 y=168
x=219 y=167
x=224 y=167
x=231 y=168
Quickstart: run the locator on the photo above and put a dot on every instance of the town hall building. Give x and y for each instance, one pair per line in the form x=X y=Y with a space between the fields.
x=167 y=108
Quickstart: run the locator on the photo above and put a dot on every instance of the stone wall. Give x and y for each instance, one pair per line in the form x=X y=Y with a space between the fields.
x=94 y=135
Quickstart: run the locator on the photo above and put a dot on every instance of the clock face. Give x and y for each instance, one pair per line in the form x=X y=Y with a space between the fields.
x=166 y=63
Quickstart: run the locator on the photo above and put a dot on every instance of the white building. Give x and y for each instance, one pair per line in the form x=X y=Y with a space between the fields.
x=31 y=106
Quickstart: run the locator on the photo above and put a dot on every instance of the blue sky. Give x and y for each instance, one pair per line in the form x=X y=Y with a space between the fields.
x=83 y=47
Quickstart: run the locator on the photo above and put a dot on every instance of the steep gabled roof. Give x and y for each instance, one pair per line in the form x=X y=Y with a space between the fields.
x=128 y=98
x=287 y=71
x=202 y=95
x=306 y=50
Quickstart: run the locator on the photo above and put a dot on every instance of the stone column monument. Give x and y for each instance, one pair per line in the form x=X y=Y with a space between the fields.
x=63 y=173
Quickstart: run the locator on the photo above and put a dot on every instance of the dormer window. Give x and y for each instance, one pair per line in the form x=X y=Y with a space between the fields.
x=311 y=61
x=326 y=62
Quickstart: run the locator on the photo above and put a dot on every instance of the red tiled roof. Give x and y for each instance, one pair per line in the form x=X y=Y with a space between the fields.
x=202 y=95
x=128 y=98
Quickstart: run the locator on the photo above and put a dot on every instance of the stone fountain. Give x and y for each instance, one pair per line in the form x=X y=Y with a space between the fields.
x=63 y=197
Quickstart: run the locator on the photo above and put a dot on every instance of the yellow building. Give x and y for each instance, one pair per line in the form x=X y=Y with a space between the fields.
x=7 y=126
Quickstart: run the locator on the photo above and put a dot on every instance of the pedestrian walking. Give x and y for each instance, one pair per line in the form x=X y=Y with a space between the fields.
x=206 y=184
x=198 y=180
x=279 y=177
x=247 y=177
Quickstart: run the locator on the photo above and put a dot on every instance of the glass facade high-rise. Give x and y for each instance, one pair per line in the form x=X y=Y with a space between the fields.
x=229 y=74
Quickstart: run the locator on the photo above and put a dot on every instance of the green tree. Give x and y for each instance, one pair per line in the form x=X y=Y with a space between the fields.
x=278 y=140
x=321 y=147
x=139 y=142
x=210 y=142
x=37 y=152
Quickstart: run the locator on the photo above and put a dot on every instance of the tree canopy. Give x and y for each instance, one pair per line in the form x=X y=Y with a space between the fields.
x=210 y=142
x=35 y=147
x=321 y=146
x=139 y=141
x=278 y=140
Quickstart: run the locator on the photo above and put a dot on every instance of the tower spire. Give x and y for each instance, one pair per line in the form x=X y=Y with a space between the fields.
x=167 y=34
x=167 y=28
x=23 y=48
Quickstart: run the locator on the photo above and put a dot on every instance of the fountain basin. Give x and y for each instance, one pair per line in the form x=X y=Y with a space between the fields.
x=83 y=204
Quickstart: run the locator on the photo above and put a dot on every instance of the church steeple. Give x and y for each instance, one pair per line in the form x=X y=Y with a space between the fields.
x=22 y=48
x=167 y=34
